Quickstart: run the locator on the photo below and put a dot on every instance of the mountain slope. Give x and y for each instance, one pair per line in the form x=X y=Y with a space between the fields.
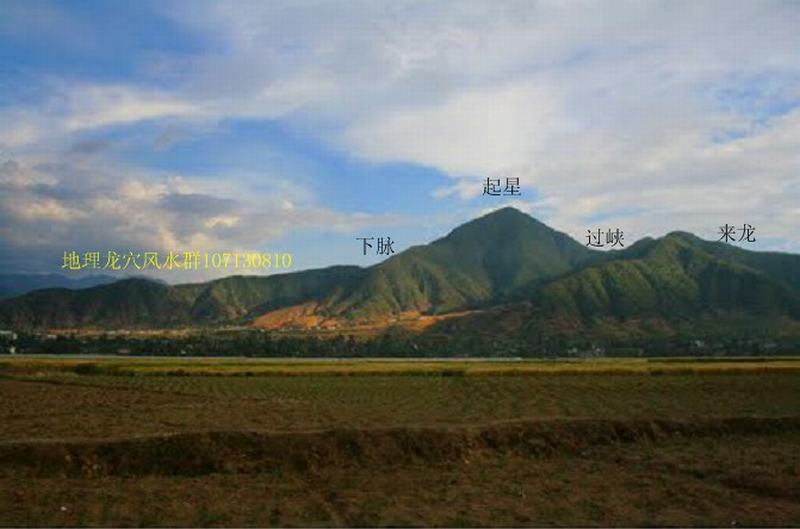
x=18 y=284
x=145 y=303
x=239 y=296
x=678 y=283
x=675 y=278
x=480 y=262
x=129 y=302
x=782 y=267
x=503 y=258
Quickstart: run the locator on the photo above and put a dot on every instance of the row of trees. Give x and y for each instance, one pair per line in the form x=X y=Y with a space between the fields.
x=398 y=345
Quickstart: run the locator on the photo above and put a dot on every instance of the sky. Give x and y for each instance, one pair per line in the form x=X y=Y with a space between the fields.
x=298 y=127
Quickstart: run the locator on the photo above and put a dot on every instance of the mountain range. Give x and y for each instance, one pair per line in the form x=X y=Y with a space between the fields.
x=505 y=271
x=17 y=284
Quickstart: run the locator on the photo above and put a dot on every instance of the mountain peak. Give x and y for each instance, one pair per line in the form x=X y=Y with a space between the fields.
x=505 y=255
x=684 y=235
x=507 y=212
x=506 y=220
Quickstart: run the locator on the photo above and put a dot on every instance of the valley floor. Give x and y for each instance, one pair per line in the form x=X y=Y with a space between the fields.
x=148 y=444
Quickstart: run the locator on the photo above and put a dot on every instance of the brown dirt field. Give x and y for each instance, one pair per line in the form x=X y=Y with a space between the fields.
x=255 y=452
x=120 y=406
x=728 y=481
x=34 y=410
x=688 y=450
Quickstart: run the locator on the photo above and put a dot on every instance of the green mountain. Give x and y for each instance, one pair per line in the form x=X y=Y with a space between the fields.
x=129 y=302
x=678 y=285
x=477 y=264
x=545 y=279
x=676 y=277
x=143 y=303
x=18 y=284
x=235 y=297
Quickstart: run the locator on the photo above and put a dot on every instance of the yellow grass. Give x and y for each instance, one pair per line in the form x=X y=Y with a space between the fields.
x=365 y=367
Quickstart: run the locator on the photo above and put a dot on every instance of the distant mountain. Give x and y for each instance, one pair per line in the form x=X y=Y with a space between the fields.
x=119 y=304
x=529 y=278
x=236 y=297
x=143 y=303
x=18 y=284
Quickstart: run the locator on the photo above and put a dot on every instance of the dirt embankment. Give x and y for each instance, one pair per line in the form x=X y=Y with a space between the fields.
x=194 y=454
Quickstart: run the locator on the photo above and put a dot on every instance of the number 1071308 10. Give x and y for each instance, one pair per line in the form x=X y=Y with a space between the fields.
x=172 y=260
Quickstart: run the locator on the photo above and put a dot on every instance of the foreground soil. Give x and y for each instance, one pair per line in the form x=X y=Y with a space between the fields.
x=743 y=480
x=593 y=450
x=53 y=406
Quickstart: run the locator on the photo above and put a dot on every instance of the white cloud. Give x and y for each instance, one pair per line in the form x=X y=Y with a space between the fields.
x=489 y=132
x=45 y=209
x=603 y=110
x=123 y=208
x=95 y=106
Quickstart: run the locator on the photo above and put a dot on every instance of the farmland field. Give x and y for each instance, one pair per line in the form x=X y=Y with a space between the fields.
x=122 y=441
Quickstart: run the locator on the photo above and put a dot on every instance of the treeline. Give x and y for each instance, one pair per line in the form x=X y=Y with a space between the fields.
x=399 y=345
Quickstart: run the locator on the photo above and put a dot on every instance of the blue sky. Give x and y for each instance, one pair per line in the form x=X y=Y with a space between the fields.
x=299 y=126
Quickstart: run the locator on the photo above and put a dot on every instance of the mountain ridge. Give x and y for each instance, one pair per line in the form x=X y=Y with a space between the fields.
x=12 y=285
x=501 y=258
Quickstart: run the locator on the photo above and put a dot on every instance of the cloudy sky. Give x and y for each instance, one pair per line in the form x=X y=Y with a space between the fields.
x=299 y=126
